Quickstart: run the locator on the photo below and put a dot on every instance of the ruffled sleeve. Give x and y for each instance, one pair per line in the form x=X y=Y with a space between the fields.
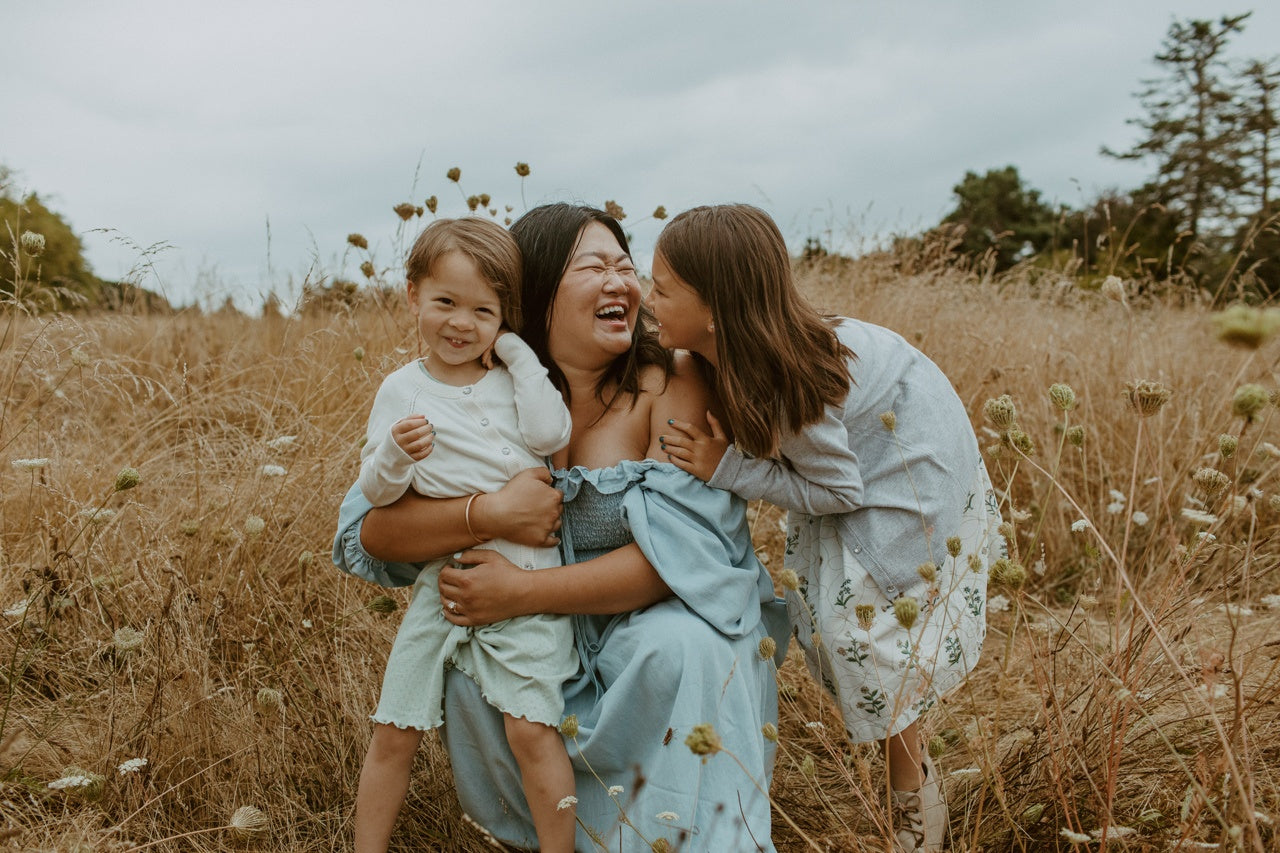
x=351 y=557
x=696 y=538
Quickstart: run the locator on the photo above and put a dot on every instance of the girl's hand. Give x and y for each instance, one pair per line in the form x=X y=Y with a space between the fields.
x=693 y=450
x=489 y=360
x=526 y=510
x=487 y=588
x=415 y=435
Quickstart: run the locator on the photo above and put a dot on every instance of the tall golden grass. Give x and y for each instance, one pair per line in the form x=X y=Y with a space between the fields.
x=1129 y=693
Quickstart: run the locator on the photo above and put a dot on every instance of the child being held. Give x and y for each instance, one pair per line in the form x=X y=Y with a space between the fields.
x=450 y=425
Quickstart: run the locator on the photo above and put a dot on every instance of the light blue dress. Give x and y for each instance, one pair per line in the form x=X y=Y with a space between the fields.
x=647 y=676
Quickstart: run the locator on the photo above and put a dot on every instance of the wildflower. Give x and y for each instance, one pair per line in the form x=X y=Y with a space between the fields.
x=906 y=610
x=454 y=174
x=283 y=442
x=1115 y=507
x=1196 y=516
x=770 y=731
x=32 y=243
x=1006 y=531
x=1245 y=325
x=995 y=451
x=1113 y=288
x=1249 y=399
x=1114 y=831
x=660 y=212
x=569 y=726
x=1021 y=441
x=767 y=648
x=254 y=525
x=1080 y=525
x=126 y=640
x=889 y=419
x=998 y=604
x=1033 y=813
x=76 y=780
x=615 y=790
x=1211 y=480
x=815 y=725
x=1075 y=435
x=133 y=765
x=1087 y=602
x=1008 y=573
x=273 y=470
x=367 y=268
x=1146 y=397
x=79 y=357
x=405 y=210
x=866 y=615
x=789 y=579
x=34 y=464
x=358 y=353
x=928 y=572
x=1140 y=518
x=269 y=699
x=703 y=740
x=660 y=845
x=667 y=816
x=975 y=563
x=522 y=169
x=954 y=546
x=307 y=623
x=358 y=241
x=127 y=479
x=1062 y=396
x=1075 y=837
x=473 y=201
x=382 y=604
x=432 y=203
x=807 y=768
x=248 y=821
x=615 y=210
x=189 y=527
x=304 y=559
x=97 y=516
x=1001 y=412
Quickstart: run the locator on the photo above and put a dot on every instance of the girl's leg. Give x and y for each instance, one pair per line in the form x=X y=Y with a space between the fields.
x=902 y=755
x=547 y=777
x=384 y=781
x=917 y=792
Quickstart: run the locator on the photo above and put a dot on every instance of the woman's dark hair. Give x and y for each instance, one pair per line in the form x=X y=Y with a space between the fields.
x=547 y=237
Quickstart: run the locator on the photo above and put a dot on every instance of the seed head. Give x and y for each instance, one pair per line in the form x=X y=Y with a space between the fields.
x=954 y=545
x=522 y=169
x=79 y=357
x=660 y=845
x=405 y=210
x=473 y=202
x=1249 y=400
x=1062 y=396
x=1146 y=397
x=269 y=699
x=1227 y=445
x=32 y=243
x=1113 y=288
x=789 y=579
x=770 y=732
x=254 y=525
x=975 y=563
x=866 y=614
x=660 y=212
x=906 y=610
x=432 y=203
x=127 y=640
x=189 y=527
x=1001 y=412
x=304 y=559
x=1021 y=442
x=703 y=740
x=1006 y=530
x=615 y=210
x=248 y=821
x=1008 y=573
x=366 y=267
x=270 y=470
x=569 y=726
x=807 y=768
x=1075 y=436
x=995 y=451
x=484 y=199
x=382 y=604
x=928 y=572
x=1211 y=480
x=890 y=420
x=454 y=174
x=1246 y=326
x=1033 y=813
x=418 y=211
x=1087 y=602
x=768 y=646
x=358 y=241
x=127 y=479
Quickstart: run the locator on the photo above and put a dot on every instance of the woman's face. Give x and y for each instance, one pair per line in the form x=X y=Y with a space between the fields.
x=596 y=305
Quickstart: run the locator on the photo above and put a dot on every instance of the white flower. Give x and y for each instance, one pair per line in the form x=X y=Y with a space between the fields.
x=31 y=464
x=1075 y=837
x=1140 y=518
x=274 y=470
x=1114 y=832
x=254 y=525
x=615 y=790
x=814 y=725
x=284 y=442
x=1269 y=449
x=997 y=604
x=133 y=765
x=667 y=816
x=965 y=773
x=1271 y=602
x=1198 y=517
x=307 y=623
x=1118 y=496
x=1207 y=538
x=1115 y=508
x=76 y=781
x=1080 y=525
x=567 y=803
x=1236 y=610
x=20 y=608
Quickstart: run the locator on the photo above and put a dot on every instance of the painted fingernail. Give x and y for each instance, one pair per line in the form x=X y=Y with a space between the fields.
x=671 y=421
x=458 y=556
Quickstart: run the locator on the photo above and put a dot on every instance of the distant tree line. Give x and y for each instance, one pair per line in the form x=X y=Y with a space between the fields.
x=1207 y=217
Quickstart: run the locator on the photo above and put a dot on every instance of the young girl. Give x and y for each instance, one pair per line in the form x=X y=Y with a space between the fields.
x=485 y=425
x=864 y=441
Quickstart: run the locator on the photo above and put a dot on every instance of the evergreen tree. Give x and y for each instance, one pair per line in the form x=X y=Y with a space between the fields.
x=1260 y=108
x=1002 y=216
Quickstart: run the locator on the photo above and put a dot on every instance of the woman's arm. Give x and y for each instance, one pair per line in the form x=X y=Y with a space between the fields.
x=414 y=528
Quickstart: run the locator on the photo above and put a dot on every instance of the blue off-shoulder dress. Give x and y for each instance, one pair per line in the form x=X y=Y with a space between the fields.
x=647 y=677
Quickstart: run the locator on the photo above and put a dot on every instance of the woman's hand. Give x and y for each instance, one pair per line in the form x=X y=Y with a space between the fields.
x=693 y=450
x=525 y=511
x=486 y=589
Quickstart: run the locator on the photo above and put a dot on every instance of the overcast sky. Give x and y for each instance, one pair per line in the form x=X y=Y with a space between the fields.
x=252 y=137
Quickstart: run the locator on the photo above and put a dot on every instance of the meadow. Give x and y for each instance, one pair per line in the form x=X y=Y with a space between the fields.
x=182 y=668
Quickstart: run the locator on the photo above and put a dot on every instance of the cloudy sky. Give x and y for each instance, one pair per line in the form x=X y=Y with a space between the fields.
x=242 y=141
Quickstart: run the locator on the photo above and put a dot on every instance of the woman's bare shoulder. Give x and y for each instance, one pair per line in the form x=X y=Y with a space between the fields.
x=682 y=394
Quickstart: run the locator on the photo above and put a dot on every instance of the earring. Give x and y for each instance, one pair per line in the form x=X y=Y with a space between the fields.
x=711 y=327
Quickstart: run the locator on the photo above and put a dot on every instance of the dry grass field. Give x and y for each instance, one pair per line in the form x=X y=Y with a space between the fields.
x=1128 y=697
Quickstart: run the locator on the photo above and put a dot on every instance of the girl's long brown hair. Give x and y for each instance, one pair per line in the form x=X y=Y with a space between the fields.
x=780 y=363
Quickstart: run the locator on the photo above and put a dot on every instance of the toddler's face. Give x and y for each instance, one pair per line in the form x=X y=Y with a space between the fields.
x=458 y=316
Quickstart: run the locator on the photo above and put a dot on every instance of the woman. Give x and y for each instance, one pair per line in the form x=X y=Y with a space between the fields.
x=667 y=596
